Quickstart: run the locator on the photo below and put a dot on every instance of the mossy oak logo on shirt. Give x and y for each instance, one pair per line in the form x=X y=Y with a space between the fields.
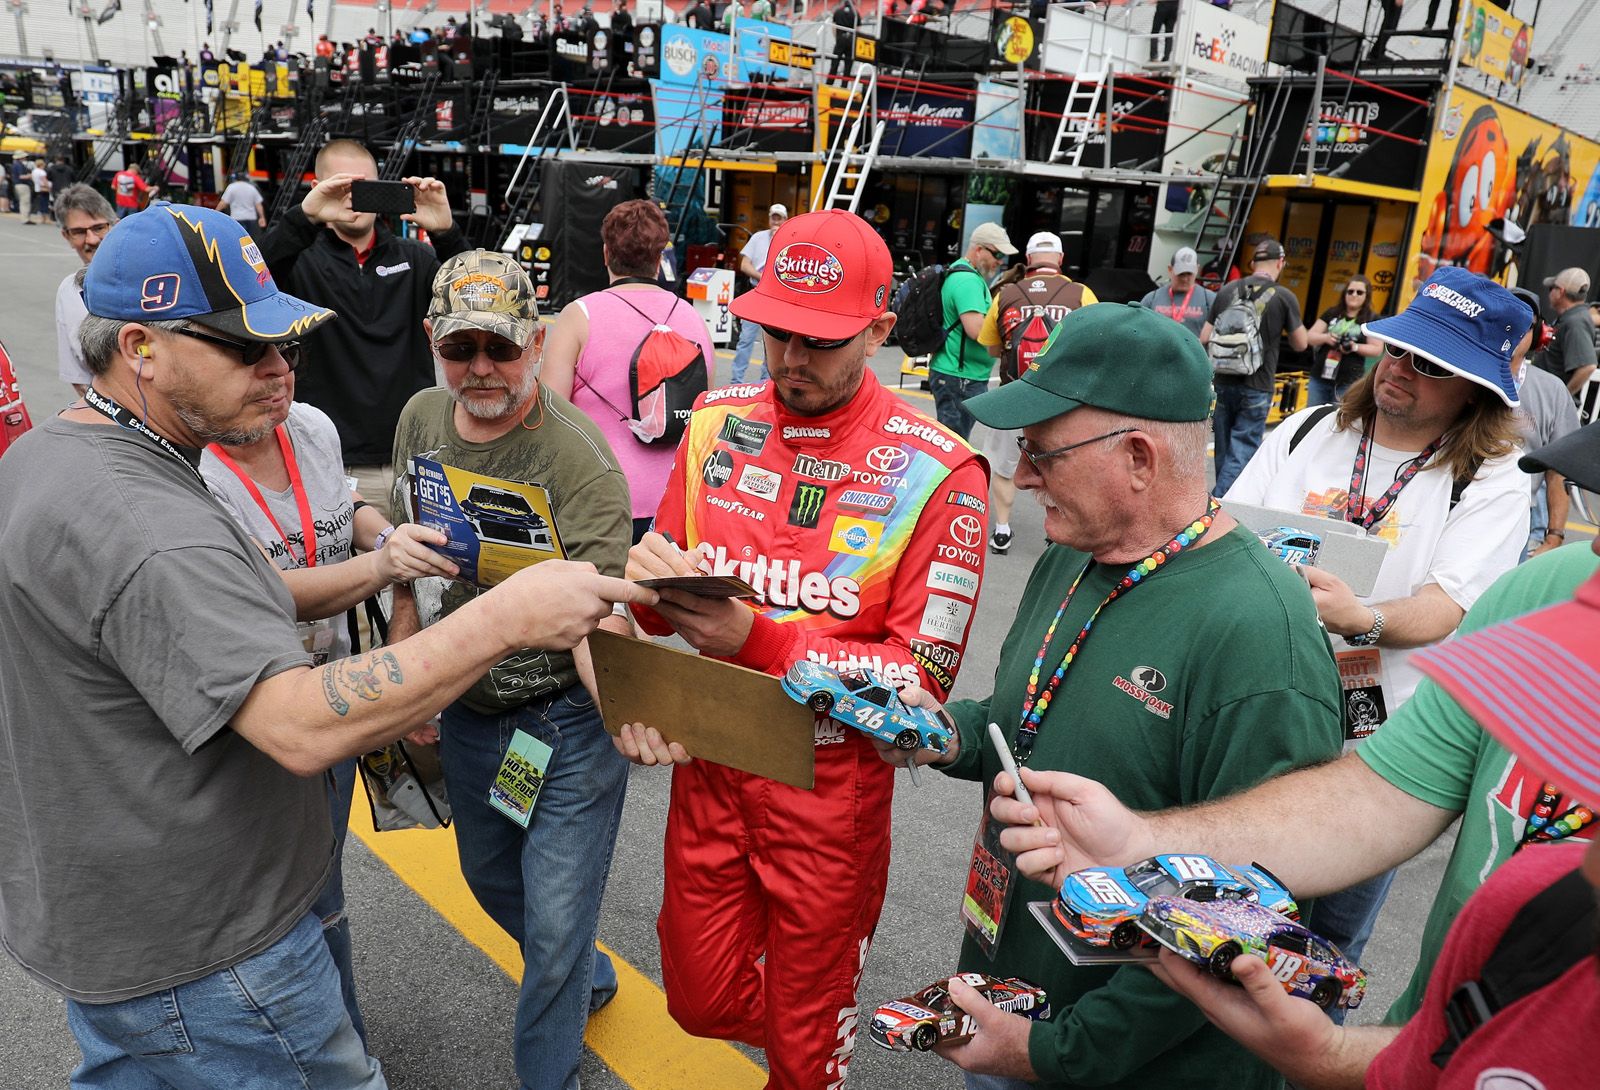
x=1146 y=682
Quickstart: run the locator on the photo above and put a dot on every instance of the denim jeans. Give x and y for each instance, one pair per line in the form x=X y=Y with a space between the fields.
x=542 y=885
x=950 y=393
x=995 y=1082
x=271 y=1021
x=1346 y=918
x=1240 y=420
x=749 y=337
x=329 y=905
x=1321 y=391
x=1538 y=520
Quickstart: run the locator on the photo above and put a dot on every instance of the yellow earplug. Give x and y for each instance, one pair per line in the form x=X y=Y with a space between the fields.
x=143 y=350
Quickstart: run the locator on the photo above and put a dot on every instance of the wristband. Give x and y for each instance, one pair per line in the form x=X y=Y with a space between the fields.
x=356 y=509
x=382 y=539
x=1562 y=534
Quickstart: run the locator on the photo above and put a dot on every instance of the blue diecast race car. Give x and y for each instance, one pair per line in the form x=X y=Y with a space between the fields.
x=1213 y=934
x=1101 y=905
x=1293 y=546
x=862 y=699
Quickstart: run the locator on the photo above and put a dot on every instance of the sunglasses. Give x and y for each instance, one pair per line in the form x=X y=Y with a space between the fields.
x=1355 y=291
x=816 y=344
x=994 y=253
x=250 y=352
x=498 y=350
x=1424 y=367
x=78 y=234
x=1036 y=457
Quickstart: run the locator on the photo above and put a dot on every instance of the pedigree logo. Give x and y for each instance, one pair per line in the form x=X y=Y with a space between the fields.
x=807 y=268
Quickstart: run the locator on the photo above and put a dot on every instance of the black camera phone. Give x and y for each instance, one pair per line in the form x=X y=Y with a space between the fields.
x=388 y=198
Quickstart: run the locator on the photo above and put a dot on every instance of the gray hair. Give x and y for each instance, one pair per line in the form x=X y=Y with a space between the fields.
x=98 y=337
x=82 y=198
x=1185 y=440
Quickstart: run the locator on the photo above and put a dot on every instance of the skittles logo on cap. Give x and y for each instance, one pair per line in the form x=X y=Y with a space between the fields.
x=807 y=268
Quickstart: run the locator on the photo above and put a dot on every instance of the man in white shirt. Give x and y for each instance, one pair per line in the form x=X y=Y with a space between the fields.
x=85 y=218
x=243 y=201
x=752 y=259
x=1421 y=453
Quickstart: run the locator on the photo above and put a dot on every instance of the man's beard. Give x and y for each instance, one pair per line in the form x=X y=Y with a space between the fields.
x=208 y=432
x=510 y=403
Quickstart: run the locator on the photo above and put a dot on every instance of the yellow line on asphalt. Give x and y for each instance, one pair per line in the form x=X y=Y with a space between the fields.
x=634 y=1035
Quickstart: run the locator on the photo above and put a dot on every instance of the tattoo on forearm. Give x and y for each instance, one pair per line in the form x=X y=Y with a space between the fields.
x=362 y=678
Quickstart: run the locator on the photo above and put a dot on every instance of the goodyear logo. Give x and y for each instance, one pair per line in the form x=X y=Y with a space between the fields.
x=858 y=537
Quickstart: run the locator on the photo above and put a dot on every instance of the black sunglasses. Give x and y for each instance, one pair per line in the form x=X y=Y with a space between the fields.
x=1355 y=291
x=498 y=350
x=1035 y=457
x=1424 y=367
x=816 y=344
x=250 y=352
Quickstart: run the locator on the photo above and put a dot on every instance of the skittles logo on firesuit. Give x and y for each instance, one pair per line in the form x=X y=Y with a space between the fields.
x=808 y=268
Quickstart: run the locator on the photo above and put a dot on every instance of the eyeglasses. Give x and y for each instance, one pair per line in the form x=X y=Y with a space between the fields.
x=498 y=350
x=1424 y=367
x=1035 y=457
x=816 y=344
x=250 y=352
x=78 y=234
x=1355 y=291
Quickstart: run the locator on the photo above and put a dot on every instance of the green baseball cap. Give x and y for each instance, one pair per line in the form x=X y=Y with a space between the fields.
x=482 y=289
x=1120 y=357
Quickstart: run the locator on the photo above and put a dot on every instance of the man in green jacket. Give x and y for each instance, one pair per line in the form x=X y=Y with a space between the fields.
x=1210 y=678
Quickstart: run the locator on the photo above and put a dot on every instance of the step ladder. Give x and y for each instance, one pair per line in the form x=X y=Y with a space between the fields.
x=1241 y=198
x=1081 y=115
x=854 y=148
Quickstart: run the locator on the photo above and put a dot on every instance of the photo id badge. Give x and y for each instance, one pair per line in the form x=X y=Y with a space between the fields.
x=516 y=786
x=991 y=880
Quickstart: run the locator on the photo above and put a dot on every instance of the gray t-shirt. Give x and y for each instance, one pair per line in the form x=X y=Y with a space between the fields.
x=1547 y=414
x=240 y=200
x=144 y=844
x=1572 y=346
x=565 y=453
x=321 y=463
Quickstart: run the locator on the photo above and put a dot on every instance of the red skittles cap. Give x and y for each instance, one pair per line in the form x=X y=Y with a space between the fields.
x=827 y=276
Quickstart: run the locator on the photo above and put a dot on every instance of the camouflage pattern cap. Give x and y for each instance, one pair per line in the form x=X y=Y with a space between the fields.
x=481 y=289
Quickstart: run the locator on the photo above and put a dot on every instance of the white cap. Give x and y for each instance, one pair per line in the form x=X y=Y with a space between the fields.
x=1185 y=261
x=778 y=210
x=1044 y=242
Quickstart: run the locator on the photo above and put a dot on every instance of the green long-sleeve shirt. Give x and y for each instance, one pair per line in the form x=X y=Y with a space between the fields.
x=1210 y=678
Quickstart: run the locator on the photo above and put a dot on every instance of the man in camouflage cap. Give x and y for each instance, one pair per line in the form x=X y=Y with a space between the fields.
x=494 y=418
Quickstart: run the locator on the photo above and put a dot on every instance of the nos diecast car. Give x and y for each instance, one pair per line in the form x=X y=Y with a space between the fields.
x=1213 y=934
x=1101 y=905
x=862 y=699
x=918 y=1022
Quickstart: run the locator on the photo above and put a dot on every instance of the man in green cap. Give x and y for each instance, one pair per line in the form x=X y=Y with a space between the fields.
x=1204 y=671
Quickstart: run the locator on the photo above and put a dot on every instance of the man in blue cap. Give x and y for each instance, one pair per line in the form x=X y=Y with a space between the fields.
x=1421 y=453
x=162 y=730
x=1187 y=664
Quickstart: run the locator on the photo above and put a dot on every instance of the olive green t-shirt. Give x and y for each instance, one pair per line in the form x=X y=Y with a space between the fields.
x=558 y=447
x=1204 y=680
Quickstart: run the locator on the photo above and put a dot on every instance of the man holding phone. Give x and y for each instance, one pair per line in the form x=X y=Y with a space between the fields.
x=336 y=251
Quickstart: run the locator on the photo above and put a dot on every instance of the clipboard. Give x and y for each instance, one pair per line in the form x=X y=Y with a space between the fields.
x=717 y=711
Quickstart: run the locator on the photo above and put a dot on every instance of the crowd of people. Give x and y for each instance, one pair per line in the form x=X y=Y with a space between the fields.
x=255 y=399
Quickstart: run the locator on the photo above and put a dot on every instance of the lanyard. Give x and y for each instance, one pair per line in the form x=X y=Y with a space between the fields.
x=1036 y=703
x=121 y=416
x=1543 y=825
x=1182 y=310
x=1358 y=481
x=302 y=503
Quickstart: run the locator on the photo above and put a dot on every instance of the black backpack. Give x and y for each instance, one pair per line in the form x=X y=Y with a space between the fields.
x=919 y=306
x=667 y=373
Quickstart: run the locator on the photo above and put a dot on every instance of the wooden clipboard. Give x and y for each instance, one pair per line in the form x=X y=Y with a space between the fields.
x=717 y=711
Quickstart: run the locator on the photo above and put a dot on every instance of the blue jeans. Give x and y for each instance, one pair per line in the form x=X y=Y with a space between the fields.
x=749 y=337
x=271 y=1021
x=950 y=393
x=1321 y=391
x=329 y=905
x=542 y=885
x=995 y=1082
x=1346 y=918
x=1538 y=519
x=1236 y=428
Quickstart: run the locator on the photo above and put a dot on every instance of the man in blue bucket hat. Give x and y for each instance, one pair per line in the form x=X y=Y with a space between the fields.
x=162 y=729
x=1421 y=453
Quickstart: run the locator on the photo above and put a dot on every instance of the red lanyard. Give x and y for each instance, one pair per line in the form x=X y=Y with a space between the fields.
x=1036 y=703
x=1182 y=310
x=1358 y=482
x=308 y=530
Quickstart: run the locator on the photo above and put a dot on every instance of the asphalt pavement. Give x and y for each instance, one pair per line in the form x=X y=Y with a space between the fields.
x=434 y=978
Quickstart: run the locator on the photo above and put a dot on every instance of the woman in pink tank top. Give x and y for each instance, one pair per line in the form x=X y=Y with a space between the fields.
x=589 y=350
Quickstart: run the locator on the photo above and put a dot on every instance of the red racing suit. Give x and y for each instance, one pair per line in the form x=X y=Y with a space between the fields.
x=863 y=532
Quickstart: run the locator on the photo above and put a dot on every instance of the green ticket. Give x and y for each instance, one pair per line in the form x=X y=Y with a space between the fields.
x=516 y=785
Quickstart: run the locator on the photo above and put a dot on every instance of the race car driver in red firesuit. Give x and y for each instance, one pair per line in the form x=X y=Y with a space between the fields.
x=861 y=524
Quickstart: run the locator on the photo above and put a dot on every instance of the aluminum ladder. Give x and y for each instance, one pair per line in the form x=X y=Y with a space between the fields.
x=851 y=155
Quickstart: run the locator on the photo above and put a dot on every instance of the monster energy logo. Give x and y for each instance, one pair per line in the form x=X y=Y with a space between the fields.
x=807 y=506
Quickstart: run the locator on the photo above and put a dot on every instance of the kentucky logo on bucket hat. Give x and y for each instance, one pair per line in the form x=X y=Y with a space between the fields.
x=1465 y=323
x=828 y=276
x=182 y=261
